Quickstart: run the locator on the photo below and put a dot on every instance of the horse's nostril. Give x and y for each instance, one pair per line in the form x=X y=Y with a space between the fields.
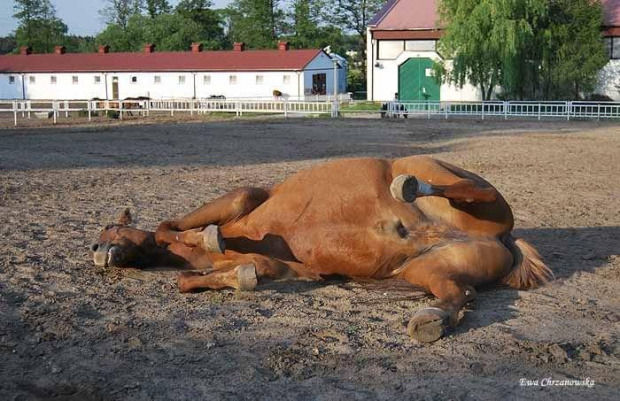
x=94 y=247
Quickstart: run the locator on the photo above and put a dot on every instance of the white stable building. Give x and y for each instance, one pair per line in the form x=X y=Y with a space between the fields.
x=401 y=49
x=196 y=74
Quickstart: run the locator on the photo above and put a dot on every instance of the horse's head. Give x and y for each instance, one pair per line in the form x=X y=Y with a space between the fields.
x=119 y=245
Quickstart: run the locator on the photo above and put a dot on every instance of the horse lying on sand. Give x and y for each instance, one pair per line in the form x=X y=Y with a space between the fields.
x=422 y=220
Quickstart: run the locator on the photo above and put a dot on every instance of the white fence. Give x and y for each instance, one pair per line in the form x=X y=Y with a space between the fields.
x=484 y=110
x=55 y=109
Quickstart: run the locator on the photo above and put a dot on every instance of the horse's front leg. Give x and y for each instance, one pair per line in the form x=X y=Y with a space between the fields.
x=200 y=227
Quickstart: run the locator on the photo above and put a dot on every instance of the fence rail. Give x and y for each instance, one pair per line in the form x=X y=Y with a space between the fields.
x=539 y=110
x=55 y=109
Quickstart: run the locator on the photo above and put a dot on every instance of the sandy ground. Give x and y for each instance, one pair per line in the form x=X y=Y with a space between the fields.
x=71 y=331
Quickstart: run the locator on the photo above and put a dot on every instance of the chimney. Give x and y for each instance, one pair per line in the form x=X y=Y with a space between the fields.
x=25 y=50
x=239 y=46
x=283 y=46
x=196 y=47
x=149 y=48
x=104 y=49
x=60 y=50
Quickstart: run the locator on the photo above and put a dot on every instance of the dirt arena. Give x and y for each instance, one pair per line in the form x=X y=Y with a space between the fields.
x=70 y=331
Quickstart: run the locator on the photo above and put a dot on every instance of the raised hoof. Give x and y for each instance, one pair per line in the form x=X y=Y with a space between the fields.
x=429 y=325
x=246 y=277
x=404 y=188
x=212 y=240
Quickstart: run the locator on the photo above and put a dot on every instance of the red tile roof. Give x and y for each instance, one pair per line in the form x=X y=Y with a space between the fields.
x=612 y=12
x=422 y=14
x=248 y=60
x=407 y=14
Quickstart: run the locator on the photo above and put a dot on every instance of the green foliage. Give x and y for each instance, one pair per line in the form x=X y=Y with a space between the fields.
x=486 y=40
x=532 y=49
x=38 y=26
x=574 y=50
x=8 y=44
x=154 y=8
x=119 y=12
x=257 y=23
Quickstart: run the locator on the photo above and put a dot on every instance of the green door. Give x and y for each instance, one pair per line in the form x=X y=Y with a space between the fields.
x=416 y=81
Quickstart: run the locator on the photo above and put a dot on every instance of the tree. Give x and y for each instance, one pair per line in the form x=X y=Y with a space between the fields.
x=157 y=7
x=257 y=23
x=119 y=12
x=210 y=21
x=487 y=41
x=354 y=15
x=38 y=26
x=574 y=50
x=8 y=44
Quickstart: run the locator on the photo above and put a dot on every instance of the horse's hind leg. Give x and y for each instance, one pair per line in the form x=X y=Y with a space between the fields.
x=453 y=195
x=190 y=229
x=450 y=273
x=437 y=178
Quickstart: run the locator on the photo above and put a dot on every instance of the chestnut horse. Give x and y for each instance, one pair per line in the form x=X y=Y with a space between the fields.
x=422 y=220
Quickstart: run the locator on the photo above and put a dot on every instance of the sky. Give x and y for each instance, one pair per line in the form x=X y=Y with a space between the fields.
x=81 y=16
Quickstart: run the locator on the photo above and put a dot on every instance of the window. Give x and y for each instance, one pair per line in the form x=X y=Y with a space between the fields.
x=32 y=80
x=607 y=42
x=615 y=47
x=259 y=80
x=286 y=79
x=181 y=79
x=53 y=80
x=232 y=79
x=390 y=49
x=157 y=79
x=75 y=79
x=206 y=80
x=420 y=45
x=97 y=79
x=134 y=79
x=12 y=80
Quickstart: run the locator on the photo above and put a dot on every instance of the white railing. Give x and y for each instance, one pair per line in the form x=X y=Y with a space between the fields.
x=55 y=109
x=484 y=110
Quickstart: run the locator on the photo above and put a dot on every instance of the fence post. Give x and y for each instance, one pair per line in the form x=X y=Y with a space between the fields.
x=447 y=109
x=191 y=107
x=483 y=109
x=285 y=108
x=29 y=105
x=539 y=106
x=15 y=112
x=120 y=109
x=568 y=110
x=428 y=110
x=598 y=113
x=66 y=109
x=55 y=110
x=89 y=108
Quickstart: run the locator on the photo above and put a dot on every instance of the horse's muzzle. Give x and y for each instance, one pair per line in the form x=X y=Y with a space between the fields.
x=106 y=255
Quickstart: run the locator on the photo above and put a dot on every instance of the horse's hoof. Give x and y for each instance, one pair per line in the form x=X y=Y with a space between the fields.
x=404 y=188
x=212 y=240
x=246 y=277
x=429 y=325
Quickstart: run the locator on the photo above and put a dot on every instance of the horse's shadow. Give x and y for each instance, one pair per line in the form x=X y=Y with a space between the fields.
x=567 y=251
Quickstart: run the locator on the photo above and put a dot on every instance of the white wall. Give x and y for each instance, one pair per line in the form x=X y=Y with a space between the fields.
x=292 y=84
x=609 y=80
x=385 y=79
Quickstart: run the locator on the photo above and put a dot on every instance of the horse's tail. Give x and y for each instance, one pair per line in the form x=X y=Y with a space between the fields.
x=528 y=270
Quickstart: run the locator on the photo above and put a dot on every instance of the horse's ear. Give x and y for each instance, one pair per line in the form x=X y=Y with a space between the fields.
x=124 y=218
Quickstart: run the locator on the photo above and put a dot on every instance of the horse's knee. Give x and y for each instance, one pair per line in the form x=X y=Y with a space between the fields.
x=247 y=199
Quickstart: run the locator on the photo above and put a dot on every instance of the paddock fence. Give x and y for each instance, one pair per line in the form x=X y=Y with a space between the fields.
x=53 y=110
